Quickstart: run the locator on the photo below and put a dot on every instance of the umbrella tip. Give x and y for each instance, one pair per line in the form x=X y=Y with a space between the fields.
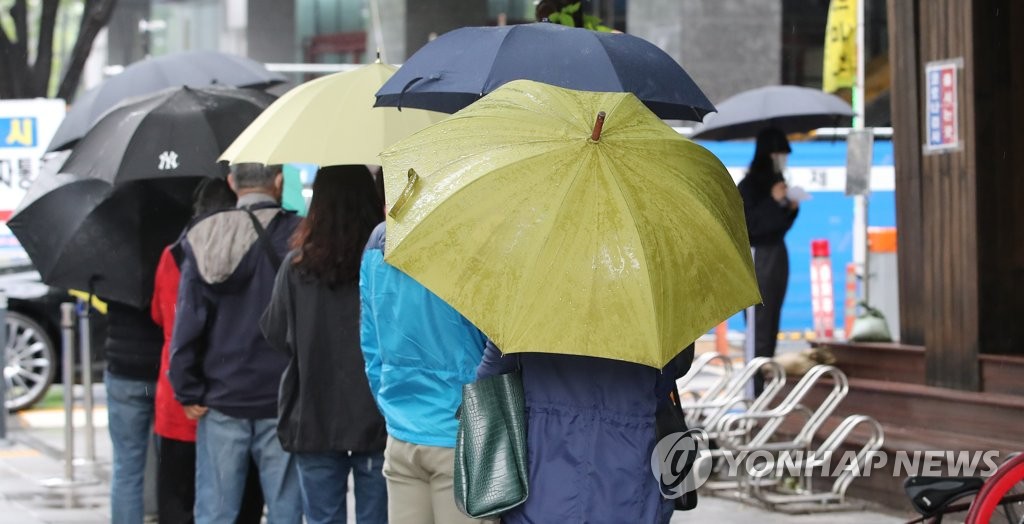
x=596 y=135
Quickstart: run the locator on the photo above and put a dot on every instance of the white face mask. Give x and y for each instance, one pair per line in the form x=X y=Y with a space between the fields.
x=779 y=159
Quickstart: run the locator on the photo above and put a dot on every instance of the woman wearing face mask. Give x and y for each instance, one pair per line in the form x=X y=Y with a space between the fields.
x=769 y=214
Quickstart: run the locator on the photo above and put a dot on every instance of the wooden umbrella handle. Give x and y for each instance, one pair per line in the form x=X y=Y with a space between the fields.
x=596 y=135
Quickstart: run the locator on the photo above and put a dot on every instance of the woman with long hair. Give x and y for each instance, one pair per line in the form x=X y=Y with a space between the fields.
x=327 y=417
x=770 y=214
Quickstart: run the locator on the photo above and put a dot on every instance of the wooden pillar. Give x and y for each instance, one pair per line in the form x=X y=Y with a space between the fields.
x=937 y=194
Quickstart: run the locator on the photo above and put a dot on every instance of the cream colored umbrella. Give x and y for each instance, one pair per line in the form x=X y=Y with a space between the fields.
x=329 y=121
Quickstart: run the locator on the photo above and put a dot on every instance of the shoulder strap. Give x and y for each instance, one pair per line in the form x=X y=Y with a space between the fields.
x=261 y=232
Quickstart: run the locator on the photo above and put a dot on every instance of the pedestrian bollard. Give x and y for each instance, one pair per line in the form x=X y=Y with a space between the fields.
x=3 y=383
x=67 y=329
x=85 y=343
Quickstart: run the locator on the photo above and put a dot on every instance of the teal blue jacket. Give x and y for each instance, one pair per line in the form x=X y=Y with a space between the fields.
x=419 y=351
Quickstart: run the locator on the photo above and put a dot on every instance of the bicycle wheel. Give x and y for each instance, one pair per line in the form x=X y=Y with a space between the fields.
x=1002 y=495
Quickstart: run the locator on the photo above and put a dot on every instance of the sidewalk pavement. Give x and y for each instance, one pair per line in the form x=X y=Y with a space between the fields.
x=35 y=455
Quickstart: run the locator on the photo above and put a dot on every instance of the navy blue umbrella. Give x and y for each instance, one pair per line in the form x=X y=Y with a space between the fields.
x=463 y=65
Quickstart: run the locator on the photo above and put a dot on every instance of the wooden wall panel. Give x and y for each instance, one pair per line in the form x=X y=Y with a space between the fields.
x=999 y=86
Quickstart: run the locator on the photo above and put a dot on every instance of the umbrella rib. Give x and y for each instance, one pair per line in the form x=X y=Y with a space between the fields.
x=643 y=253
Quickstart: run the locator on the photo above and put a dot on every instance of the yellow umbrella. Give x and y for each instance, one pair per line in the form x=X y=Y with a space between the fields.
x=553 y=236
x=329 y=121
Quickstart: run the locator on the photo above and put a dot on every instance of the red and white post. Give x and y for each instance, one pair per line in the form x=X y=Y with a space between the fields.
x=822 y=299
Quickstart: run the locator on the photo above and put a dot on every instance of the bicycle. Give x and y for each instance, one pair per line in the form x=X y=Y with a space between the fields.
x=998 y=497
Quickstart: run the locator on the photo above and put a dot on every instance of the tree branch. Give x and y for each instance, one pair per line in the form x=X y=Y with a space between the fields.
x=97 y=14
x=43 y=67
x=6 y=71
x=19 y=49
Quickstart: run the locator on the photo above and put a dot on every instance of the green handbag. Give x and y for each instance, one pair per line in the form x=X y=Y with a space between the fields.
x=490 y=448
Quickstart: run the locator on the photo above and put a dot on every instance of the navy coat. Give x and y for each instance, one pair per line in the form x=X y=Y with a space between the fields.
x=590 y=435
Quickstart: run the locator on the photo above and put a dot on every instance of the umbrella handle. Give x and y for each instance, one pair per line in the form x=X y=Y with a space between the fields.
x=406 y=88
x=598 y=126
x=403 y=199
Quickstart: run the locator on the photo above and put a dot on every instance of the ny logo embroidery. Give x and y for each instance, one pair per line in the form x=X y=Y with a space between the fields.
x=168 y=160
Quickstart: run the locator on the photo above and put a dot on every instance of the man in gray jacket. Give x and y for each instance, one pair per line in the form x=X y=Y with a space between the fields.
x=222 y=369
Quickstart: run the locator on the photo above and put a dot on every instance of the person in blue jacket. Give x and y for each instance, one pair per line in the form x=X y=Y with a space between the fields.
x=419 y=352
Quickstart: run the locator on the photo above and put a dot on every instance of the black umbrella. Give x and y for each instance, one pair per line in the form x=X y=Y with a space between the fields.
x=125 y=191
x=793 y=109
x=88 y=234
x=191 y=68
x=176 y=132
x=463 y=65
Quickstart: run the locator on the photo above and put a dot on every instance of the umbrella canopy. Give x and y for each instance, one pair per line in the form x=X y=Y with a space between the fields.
x=176 y=132
x=627 y=247
x=459 y=67
x=125 y=191
x=792 y=109
x=191 y=68
x=329 y=121
x=85 y=233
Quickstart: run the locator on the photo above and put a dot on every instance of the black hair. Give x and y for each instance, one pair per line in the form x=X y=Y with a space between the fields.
x=212 y=194
x=344 y=210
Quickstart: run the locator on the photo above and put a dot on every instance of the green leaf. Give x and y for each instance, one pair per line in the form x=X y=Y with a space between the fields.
x=571 y=8
x=562 y=18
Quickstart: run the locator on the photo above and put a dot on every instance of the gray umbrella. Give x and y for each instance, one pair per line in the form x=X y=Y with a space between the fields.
x=792 y=109
x=190 y=68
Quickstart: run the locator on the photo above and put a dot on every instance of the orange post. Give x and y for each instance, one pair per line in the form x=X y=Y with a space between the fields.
x=722 y=338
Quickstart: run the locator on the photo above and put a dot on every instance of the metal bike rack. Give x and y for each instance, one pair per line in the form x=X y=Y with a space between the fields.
x=698 y=367
x=756 y=431
x=806 y=499
x=707 y=412
x=774 y=417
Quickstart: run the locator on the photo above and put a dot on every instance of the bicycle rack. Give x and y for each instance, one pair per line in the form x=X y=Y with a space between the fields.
x=735 y=395
x=682 y=385
x=728 y=393
x=807 y=499
x=774 y=418
x=735 y=432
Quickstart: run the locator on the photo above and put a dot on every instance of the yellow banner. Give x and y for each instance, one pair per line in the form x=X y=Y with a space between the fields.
x=839 y=69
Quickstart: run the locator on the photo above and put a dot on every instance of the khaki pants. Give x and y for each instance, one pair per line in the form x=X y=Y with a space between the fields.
x=420 y=485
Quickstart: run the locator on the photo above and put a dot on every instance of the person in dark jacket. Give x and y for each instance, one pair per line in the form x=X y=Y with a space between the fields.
x=770 y=214
x=133 y=360
x=590 y=434
x=328 y=418
x=222 y=368
x=176 y=476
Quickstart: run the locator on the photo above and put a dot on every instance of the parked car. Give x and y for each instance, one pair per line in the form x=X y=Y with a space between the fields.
x=33 y=350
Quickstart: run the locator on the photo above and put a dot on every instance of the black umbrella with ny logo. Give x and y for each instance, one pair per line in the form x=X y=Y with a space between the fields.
x=125 y=190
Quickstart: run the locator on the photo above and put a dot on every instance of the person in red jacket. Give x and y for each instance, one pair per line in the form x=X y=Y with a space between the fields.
x=177 y=472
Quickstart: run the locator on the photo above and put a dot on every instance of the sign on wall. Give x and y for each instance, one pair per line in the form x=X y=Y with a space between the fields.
x=942 y=107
